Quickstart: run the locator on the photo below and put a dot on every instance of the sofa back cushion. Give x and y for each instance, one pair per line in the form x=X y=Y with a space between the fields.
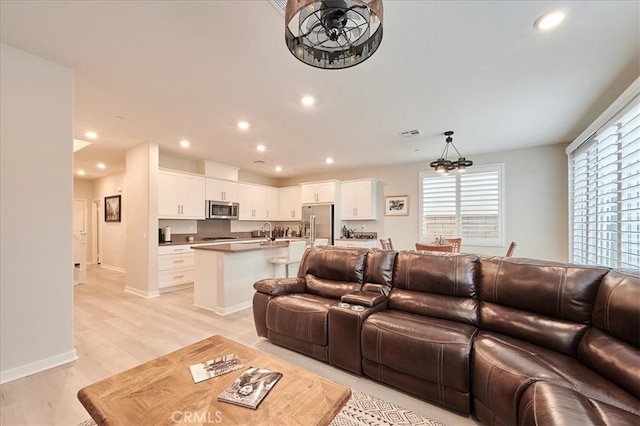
x=546 y=303
x=379 y=267
x=332 y=271
x=439 y=285
x=612 y=346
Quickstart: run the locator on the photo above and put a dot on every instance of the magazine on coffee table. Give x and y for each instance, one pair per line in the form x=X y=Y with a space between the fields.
x=215 y=367
x=250 y=388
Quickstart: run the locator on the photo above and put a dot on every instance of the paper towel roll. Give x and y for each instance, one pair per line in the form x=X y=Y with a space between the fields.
x=167 y=234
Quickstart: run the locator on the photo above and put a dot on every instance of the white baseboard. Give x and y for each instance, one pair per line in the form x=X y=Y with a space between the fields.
x=175 y=287
x=37 y=367
x=114 y=268
x=145 y=294
x=229 y=310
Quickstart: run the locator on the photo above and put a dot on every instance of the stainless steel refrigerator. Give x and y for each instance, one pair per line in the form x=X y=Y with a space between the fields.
x=317 y=222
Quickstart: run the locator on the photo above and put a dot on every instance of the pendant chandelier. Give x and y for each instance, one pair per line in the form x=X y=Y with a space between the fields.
x=333 y=34
x=444 y=165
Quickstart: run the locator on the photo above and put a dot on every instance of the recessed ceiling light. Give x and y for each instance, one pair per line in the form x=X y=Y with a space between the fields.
x=91 y=135
x=278 y=169
x=243 y=125
x=80 y=172
x=329 y=160
x=185 y=143
x=549 y=20
x=308 y=100
x=261 y=148
x=101 y=166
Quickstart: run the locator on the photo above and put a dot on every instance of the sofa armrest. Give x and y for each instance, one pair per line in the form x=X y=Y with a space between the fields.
x=278 y=286
x=363 y=298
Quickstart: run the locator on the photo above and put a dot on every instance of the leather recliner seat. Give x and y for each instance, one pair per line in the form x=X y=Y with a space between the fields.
x=298 y=317
x=535 y=320
x=422 y=342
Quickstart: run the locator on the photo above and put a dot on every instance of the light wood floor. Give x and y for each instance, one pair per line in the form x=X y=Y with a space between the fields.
x=115 y=331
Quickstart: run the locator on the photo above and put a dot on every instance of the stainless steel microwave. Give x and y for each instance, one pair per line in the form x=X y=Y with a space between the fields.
x=222 y=210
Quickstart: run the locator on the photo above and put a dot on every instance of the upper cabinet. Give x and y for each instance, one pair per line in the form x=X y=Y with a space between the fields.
x=257 y=202
x=358 y=200
x=181 y=195
x=222 y=190
x=290 y=200
x=320 y=192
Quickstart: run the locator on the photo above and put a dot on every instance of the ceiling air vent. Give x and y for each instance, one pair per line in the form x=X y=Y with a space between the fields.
x=279 y=5
x=411 y=133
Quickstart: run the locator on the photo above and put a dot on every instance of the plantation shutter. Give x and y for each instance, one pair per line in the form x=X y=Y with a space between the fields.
x=466 y=205
x=605 y=194
x=480 y=205
x=439 y=207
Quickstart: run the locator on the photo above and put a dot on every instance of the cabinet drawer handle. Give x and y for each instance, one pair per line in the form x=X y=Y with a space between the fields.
x=178 y=276
x=178 y=261
x=177 y=250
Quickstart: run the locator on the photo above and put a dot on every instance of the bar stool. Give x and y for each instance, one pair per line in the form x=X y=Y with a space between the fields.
x=296 y=250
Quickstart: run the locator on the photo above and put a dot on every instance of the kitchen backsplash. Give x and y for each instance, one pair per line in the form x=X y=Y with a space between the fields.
x=201 y=229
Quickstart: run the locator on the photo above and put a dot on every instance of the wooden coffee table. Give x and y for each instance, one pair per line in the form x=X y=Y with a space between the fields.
x=162 y=391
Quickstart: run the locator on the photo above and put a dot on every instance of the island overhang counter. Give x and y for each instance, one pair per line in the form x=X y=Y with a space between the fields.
x=225 y=273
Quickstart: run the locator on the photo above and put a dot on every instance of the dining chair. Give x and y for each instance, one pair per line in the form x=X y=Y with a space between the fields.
x=294 y=256
x=511 y=249
x=386 y=244
x=426 y=247
x=455 y=242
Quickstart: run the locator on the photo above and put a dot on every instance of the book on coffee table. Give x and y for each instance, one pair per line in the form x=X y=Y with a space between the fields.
x=215 y=367
x=250 y=388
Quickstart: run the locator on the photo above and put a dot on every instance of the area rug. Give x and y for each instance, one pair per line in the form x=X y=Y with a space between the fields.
x=365 y=410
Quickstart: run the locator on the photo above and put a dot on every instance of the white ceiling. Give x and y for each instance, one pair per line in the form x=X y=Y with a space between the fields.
x=191 y=69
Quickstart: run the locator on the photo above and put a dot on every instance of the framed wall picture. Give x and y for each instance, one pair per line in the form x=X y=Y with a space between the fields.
x=396 y=205
x=112 y=208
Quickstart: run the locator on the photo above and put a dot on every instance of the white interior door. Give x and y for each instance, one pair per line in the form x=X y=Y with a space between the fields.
x=79 y=225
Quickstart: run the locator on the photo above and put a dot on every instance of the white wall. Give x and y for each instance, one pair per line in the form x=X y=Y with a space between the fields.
x=142 y=220
x=113 y=233
x=36 y=276
x=535 y=201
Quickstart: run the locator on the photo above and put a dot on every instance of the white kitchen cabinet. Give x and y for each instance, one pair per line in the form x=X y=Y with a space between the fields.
x=175 y=267
x=257 y=202
x=320 y=192
x=221 y=190
x=290 y=203
x=358 y=199
x=181 y=195
x=246 y=197
x=356 y=243
x=271 y=203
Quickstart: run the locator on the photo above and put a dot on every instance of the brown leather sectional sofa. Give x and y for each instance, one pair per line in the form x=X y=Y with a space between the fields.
x=512 y=341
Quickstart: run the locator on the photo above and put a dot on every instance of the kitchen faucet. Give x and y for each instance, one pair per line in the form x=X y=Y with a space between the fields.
x=270 y=229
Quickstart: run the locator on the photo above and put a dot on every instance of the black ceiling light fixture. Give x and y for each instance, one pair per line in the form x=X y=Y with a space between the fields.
x=333 y=34
x=444 y=165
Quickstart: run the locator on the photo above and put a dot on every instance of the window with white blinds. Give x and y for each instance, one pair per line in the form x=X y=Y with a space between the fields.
x=466 y=205
x=605 y=194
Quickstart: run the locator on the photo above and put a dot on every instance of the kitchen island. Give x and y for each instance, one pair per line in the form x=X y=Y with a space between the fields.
x=225 y=273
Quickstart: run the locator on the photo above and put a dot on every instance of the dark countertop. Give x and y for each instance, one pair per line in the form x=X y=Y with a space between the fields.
x=242 y=247
x=229 y=241
x=196 y=242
